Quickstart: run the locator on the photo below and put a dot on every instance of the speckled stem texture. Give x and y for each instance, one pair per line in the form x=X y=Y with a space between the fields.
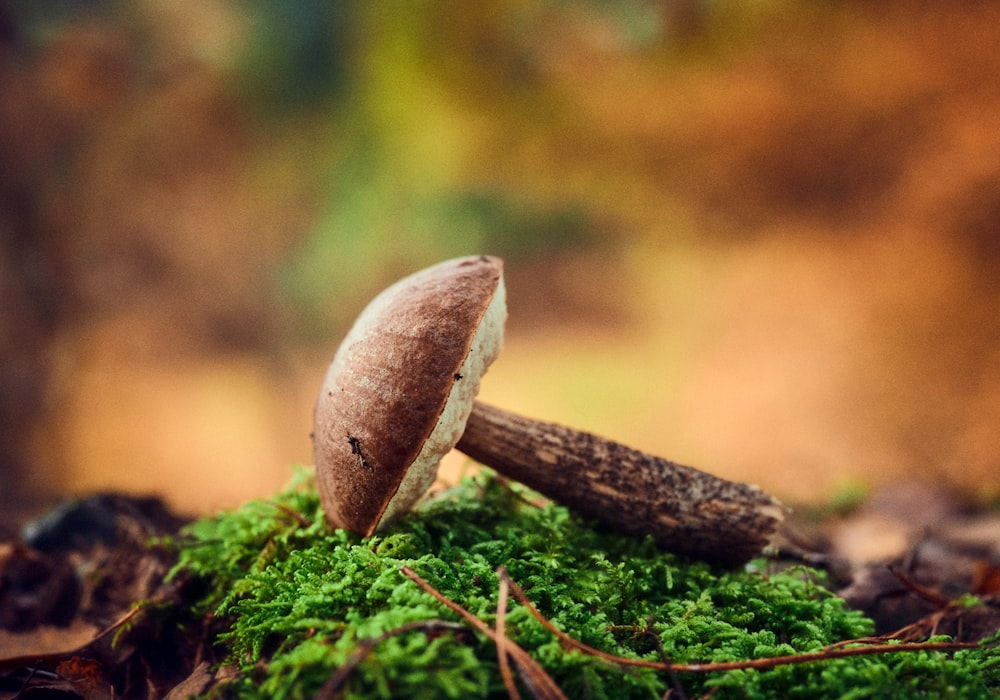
x=686 y=510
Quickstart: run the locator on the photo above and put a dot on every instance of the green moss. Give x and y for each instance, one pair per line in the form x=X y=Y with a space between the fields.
x=299 y=598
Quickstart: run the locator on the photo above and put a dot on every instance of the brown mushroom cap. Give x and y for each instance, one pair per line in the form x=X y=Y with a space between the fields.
x=400 y=388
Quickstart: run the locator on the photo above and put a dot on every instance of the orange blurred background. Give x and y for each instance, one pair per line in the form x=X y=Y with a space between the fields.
x=761 y=240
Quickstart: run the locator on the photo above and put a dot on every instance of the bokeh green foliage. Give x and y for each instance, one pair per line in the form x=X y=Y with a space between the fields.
x=438 y=128
x=299 y=598
x=393 y=135
x=423 y=118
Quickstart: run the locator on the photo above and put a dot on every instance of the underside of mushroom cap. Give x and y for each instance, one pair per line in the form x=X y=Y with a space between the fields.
x=400 y=388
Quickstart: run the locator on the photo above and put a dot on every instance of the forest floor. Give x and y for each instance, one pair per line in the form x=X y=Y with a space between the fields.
x=909 y=557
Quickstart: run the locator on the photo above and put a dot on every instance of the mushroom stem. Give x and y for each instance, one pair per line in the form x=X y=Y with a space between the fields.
x=686 y=510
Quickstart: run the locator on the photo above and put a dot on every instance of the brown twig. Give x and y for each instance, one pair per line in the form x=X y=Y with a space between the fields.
x=918 y=589
x=337 y=680
x=542 y=685
x=565 y=638
x=302 y=520
x=675 y=680
x=759 y=664
x=824 y=655
x=502 y=640
x=539 y=683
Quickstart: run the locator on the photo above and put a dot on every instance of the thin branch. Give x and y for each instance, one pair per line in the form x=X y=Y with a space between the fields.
x=291 y=512
x=770 y=662
x=540 y=684
x=569 y=641
x=502 y=640
x=918 y=589
x=337 y=680
x=675 y=680
x=825 y=655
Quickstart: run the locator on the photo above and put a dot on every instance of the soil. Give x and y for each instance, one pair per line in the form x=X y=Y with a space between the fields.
x=69 y=626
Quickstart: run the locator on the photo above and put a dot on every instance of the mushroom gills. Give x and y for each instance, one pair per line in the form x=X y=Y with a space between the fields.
x=450 y=426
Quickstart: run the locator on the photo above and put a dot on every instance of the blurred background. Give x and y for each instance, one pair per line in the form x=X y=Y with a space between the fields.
x=759 y=238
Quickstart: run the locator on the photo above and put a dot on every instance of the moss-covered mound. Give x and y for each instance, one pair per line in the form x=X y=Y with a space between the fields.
x=301 y=601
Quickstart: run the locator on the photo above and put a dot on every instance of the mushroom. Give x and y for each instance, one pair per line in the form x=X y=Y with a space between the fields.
x=400 y=393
